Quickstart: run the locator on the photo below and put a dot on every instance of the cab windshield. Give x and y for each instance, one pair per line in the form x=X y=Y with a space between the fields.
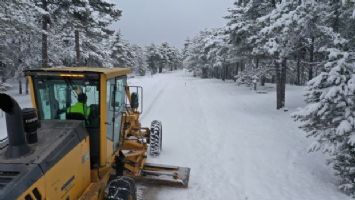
x=63 y=98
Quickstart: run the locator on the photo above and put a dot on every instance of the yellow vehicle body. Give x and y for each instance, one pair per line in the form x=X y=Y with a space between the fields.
x=83 y=169
x=68 y=179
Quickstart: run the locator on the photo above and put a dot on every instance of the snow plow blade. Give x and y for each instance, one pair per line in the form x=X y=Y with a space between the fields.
x=165 y=175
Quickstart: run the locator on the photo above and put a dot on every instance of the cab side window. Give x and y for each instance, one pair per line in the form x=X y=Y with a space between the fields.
x=120 y=94
x=115 y=105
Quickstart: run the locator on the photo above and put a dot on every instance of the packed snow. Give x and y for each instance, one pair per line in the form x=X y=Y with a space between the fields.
x=236 y=143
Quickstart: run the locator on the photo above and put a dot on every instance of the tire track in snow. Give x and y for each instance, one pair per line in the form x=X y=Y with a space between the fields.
x=157 y=87
x=215 y=172
x=203 y=151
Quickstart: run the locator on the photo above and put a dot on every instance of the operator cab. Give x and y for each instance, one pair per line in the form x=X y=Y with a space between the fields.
x=59 y=94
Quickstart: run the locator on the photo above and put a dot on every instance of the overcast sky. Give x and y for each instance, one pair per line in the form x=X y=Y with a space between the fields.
x=155 y=21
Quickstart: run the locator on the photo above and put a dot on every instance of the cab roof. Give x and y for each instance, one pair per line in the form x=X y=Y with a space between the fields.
x=109 y=72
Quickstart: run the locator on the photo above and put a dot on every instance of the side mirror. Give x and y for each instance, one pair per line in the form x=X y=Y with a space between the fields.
x=134 y=100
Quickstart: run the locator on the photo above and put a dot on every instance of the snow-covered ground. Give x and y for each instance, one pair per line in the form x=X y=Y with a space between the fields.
x=237 y=145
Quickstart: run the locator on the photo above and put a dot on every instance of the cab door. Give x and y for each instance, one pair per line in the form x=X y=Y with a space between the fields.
x=115 y=107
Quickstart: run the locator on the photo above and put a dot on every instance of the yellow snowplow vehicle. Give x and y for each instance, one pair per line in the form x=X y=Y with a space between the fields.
x=82 y=139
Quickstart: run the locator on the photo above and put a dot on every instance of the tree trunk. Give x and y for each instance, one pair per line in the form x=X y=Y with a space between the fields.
x=20 y=86
x=26 y=86
x=335 y=24
x=254 y=85
x=236 y=71
x=302 y=75
x=273 y=2
x=311 y=60
x=298 y=70
x=218 y=73
x=160 y=69
x=224 y=72
x=278 y=85
x=262 y=80
x=44 y=35
x=77 y=47
x=283 y=81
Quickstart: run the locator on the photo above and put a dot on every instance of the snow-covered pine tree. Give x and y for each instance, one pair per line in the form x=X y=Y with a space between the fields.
x=17 y=15
x=176 y=58
x=75 y=30
x=348 y=22
x=288 y=30
x=329 y=116
x=191 y=54
x=18 y=35
x=205 y=53
x=170 y=57
x=98 y=32
x=277 y=40
x=164 y=61
x=243 y=29
x=83 y=29
x=121 y=52
x=77 y=18
x=153 y=58
x=139 y=60
x=187 y=54
x=215 y=48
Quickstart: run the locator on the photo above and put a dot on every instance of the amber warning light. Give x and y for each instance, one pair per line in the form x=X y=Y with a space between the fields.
x=72 y=75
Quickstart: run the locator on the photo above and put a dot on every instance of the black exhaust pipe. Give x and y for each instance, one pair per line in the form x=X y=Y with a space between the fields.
x=15 y=128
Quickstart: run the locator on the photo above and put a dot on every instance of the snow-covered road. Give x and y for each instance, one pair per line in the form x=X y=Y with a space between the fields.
x=235 y=142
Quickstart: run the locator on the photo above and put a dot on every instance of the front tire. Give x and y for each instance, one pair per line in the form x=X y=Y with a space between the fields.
x=156 y=138
x=121 y=188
